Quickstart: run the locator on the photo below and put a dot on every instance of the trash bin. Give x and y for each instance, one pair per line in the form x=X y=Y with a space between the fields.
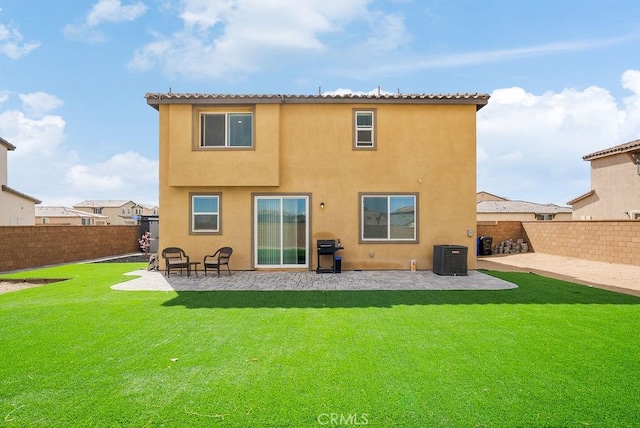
x=486 y=243
x=338 y=265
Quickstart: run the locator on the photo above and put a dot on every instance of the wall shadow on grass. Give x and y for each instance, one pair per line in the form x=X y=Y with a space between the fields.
x=532 y=289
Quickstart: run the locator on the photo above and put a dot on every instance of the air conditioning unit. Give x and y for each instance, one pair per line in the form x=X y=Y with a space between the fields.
x=450 y=260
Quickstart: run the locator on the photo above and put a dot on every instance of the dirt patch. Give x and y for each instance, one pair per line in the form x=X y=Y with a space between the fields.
x=621 y=278
x=9 y=285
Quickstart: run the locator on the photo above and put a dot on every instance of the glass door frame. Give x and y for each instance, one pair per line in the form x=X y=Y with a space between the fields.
x=281 y=197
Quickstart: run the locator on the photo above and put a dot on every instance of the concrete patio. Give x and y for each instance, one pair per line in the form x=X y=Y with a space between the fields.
x=311 y=281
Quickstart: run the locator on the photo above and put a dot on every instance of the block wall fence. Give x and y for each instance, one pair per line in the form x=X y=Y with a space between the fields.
x=25 y=247
x=614 y=241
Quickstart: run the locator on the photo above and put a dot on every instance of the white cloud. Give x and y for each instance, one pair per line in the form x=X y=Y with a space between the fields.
x=114 y=11
x=11 y=43
x=111 y=11
x=42 y=165
x=124 y=176
x=220 y=38
x=344 y=91
x=39 y=103
x=388 y=32
x=429 y=62
x=31 y=135
x=533 y=144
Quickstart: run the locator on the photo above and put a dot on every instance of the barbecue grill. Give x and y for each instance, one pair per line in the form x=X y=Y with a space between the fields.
x=328 y=247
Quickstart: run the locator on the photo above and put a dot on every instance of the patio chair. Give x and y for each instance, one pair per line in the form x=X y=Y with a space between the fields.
x=175 y=258
x=219 y=258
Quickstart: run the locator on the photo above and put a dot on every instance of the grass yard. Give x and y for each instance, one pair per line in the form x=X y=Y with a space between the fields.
x=549 y=353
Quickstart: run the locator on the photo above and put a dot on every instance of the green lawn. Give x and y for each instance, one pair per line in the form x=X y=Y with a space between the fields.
x=549 y=353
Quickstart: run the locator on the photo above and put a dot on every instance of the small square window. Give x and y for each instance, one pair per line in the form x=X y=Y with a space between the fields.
x=205 y=213
x=364 y=129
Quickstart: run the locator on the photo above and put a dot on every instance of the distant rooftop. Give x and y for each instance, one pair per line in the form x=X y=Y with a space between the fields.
x=519 y=207
x=49 y=211
x=103 y=203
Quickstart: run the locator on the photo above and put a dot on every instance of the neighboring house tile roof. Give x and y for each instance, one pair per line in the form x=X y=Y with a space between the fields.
x=7 y=144
x=66 y=212
x=519 y=207
x=155 y=99
x=581 y=197
x=8 y=189
x=632 y=146
x=107 y=203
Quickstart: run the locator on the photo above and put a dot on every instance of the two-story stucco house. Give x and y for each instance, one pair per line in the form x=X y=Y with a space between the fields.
x=118 y=212
x=16 y=208
x=269 y=175
x=615 y=185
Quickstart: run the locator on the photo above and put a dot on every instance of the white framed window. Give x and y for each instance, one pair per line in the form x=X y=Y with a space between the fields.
x=364 y=129
x=226 y=129
x=388 y=217
x=205 y=213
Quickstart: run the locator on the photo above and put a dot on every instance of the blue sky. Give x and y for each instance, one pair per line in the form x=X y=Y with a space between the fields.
x=564 y=79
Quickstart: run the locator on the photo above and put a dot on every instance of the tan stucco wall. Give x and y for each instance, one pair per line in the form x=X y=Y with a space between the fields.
x=616 y=182
x=15 y=210
x=307 y=149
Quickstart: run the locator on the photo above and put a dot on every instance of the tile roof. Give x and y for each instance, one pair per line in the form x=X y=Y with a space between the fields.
x=5 y=188
x=48 y=211
x=155 y=99
x=519 y=207
x=115 y=203
x=631 y=146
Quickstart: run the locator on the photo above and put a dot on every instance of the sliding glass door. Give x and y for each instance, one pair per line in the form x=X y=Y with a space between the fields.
x=281 y=232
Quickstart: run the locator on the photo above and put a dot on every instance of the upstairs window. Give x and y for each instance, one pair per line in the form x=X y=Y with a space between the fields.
x=364 y=129
x=226 y=130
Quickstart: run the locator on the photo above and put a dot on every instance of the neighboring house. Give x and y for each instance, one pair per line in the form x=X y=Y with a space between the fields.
x=486 y=196
x=269 y=175
x=16 y=208
x=46 y=215
x=615 y=185
x=118 y=212
x=506 y=210
x=150 y=210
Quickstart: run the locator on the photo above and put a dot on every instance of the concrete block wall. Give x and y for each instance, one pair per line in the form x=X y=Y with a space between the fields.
x=24 y=247
x=605 y=241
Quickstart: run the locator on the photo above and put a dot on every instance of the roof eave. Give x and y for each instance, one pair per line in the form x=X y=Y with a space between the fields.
x=7 y=144
x=155 y=100
x=6 y=188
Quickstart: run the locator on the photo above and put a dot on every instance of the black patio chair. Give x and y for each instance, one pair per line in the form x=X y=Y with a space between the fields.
x=175 y=258
x=219 y=258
